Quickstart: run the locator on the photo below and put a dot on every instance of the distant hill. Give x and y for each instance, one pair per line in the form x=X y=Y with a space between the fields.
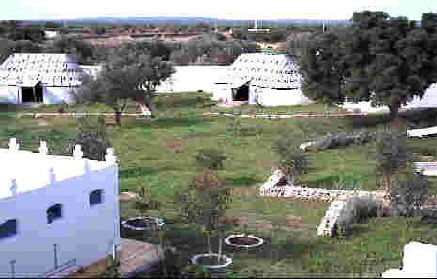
x=187 y=21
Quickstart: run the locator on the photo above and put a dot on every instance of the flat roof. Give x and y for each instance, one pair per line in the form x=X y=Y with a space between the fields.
x=32 y=170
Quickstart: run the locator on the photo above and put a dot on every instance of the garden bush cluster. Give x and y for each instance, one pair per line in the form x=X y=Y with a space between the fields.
x=92 y=137
x=344 y=139
x=357 y=210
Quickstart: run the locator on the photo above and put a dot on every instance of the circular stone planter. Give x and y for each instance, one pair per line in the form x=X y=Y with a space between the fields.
x=203 y=260
x=244 y=241
x=142 y=223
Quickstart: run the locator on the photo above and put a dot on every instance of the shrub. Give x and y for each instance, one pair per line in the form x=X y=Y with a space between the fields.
x=92 y=137
x=210 y=158
x=392 y=154
x=408 y=193
x=357 y=210
x=343 y=139
x=292 y=161
x=63 y=107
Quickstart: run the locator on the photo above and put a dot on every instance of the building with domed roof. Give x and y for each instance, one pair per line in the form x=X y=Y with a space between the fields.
x=39 y=78
x=267 y=79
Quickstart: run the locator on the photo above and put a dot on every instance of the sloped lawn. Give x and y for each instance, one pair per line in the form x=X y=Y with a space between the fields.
x=159 y=153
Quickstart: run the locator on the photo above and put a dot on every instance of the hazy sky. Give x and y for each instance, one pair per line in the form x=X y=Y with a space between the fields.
x=230 y=9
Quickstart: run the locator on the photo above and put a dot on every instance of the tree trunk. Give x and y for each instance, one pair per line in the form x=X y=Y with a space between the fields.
x=388 y=184
x=151 y=105
x=220 y=249
x=394 y=110
x=117 y=117
x=209 y=242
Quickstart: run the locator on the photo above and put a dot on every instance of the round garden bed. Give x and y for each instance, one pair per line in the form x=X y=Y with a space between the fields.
x=211 y=261
x=142 y=223
x=244 y=241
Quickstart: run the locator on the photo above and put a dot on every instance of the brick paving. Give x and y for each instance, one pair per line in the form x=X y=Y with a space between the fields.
x=135 y=255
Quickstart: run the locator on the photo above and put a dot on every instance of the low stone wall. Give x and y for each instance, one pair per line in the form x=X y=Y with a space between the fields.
x=277 y=186
x=272 y=188
x=291 y=115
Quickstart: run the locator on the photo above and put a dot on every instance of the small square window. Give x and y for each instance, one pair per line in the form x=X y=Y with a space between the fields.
x=96 y=197
x=8 y=228
x=54 y=212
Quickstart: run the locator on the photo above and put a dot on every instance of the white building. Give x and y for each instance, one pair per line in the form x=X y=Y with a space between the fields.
x=50 y=34
x=429 y=100
x=39 y=78
x=192 y=79
x=266 y=79
x=58 y=213
x=419 y=261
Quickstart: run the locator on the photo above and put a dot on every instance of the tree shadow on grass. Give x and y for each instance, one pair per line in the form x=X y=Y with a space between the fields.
x=136 y=171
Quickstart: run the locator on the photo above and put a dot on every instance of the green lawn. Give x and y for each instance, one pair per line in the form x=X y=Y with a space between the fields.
x=159 y=153
x=247 y=109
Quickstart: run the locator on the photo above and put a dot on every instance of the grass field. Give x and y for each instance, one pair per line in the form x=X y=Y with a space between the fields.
x=159 y=153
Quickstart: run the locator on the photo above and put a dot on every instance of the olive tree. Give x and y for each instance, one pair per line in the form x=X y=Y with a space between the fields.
x=132 y=73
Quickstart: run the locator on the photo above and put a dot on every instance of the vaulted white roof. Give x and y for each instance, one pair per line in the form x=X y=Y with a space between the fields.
x=27 y=69
x=264 y=70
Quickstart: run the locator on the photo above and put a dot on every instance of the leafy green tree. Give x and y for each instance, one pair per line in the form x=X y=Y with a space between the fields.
x=52 y=25
x=7 y=47
x=130 y=73
x=204 y=202
x=382 y=59
x=323 y=67
x=408 y=193
x=391 y=155
x=82 y=50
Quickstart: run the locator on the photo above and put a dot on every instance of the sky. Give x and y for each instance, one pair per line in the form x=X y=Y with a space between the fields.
x=226 y=9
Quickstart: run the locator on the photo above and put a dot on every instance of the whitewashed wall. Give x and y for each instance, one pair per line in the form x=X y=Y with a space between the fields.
x=222 y=92
x=83 y=233
x=273 y=97
x=56 y=95
x=9 y=94
x=192 y=78
x=429 y=100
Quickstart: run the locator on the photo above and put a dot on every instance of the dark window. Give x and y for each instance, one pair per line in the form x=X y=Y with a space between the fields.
x=96 y=197
x=8 y=229
x=54 y=212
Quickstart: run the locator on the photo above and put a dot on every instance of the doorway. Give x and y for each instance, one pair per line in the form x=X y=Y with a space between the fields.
x=32 y=94
x=241 y=93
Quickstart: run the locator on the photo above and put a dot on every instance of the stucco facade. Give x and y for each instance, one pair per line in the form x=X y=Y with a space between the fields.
x=85 y=232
